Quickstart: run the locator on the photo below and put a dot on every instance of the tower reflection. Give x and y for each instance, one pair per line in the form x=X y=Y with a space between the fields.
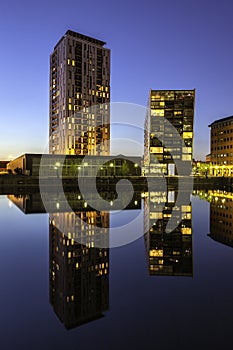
x=170 y=253
x=78 y=274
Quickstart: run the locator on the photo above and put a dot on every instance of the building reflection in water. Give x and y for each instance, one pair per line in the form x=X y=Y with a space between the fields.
x=168 y=253
x=78 y=274
x=221 y=215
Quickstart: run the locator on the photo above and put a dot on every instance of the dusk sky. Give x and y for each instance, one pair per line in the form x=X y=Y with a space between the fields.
x=154 y=44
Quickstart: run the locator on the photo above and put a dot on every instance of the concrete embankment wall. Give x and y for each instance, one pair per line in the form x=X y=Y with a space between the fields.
x=12 y=183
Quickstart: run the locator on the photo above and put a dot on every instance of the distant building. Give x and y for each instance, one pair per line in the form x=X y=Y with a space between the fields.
x=208 y=158
x=3 y=165
x=221 y=146
x=163 y=144
x=79 y=80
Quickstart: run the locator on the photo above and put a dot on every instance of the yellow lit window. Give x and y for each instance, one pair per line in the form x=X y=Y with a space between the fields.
x=70 y=107
x=156 y=149
x=68 y=61
x=187 y=149
x=186 y=157
x=187 y=135
x=186 y=231
x=156 y=215
x=157 y=112
x=73 y=63
x=156 y=252
x=186 y=208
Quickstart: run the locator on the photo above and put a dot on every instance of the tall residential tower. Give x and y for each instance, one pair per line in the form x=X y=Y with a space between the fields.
x=79 y=96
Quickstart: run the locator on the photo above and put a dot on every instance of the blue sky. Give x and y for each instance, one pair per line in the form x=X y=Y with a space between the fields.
x=154 y=44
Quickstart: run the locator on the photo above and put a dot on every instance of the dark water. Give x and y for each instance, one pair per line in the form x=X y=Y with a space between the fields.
x=183 y=300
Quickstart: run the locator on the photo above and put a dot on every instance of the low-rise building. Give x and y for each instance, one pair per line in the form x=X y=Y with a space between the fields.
x=52 y=165
x=3 y=165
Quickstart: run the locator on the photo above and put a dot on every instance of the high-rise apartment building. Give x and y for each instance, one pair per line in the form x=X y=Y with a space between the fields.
x=169 y=130
x=79 y=96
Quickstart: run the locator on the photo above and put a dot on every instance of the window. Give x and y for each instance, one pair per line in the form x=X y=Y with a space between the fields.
x=187 y=135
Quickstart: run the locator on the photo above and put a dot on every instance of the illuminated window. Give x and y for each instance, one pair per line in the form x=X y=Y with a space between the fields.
x=157 y=112
x=186 y=208
x=156 y=252
x=187 y=150
x=187 y=135
x=186 y=157
x=156 y=215
x=156 y=149
x=186 y=231
x=171 y=196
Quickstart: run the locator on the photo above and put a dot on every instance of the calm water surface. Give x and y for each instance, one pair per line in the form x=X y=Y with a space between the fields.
x=45 y=304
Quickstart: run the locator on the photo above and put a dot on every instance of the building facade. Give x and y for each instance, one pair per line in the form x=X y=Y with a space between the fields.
x=221 y=146
x=169 y=130
x=79 y=96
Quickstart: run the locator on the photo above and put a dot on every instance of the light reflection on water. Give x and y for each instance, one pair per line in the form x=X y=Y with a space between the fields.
x=178 y=288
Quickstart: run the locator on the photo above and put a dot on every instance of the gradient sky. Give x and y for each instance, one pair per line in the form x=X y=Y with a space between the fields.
x=154 y=44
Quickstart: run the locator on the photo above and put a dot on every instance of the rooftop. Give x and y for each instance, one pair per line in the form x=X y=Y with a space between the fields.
x=82 y=37
x=222 y=120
